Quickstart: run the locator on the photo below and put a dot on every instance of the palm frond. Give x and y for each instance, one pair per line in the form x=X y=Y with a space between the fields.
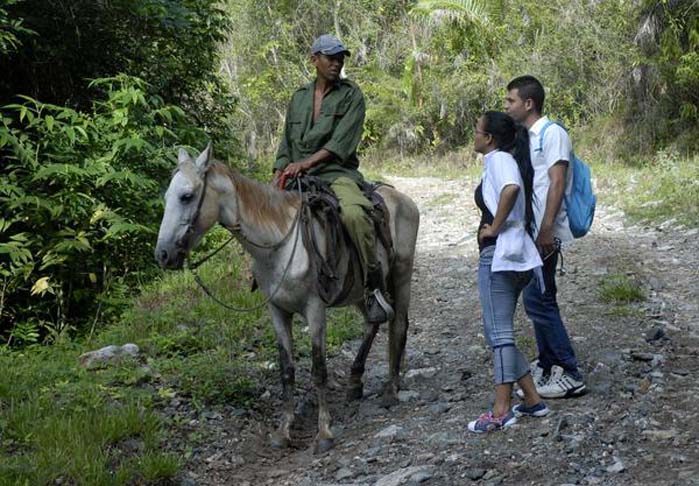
x=441 y=12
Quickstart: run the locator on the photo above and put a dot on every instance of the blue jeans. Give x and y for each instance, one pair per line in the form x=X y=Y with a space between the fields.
x=551 y=336
x=499 y=292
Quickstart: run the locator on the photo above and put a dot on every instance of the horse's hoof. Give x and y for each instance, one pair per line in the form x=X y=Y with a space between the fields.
x=323 y=446
x=355 y=392
x=389 y=400
x=279 y=441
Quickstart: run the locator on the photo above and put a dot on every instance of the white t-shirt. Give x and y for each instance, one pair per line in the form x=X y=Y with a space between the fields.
x=557 y=146
x=514 y=248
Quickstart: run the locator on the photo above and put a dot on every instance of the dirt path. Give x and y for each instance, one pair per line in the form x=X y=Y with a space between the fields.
x=638 y=425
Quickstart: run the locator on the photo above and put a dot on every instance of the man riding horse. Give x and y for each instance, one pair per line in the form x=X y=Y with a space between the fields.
x=323 y=126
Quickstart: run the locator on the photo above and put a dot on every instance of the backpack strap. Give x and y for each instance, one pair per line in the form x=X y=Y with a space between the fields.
x=543 y=132
x=541 y=135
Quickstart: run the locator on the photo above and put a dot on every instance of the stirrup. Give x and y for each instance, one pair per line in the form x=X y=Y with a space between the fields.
x=383 y=304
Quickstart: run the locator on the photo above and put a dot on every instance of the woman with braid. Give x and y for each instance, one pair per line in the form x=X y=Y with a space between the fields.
x=509 y=259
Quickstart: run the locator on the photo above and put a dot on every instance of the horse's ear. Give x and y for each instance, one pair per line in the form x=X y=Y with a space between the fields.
x=204 y=160
x=183 y=157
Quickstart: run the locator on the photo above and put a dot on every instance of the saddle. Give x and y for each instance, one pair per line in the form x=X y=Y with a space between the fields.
x=321 y=210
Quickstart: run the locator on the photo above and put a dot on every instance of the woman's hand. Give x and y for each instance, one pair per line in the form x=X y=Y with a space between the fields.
x=486 y=231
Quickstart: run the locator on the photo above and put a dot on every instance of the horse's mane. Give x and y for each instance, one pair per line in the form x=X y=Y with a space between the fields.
x=259 y=203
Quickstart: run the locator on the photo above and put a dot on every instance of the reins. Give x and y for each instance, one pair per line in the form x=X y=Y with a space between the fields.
x=238 y=231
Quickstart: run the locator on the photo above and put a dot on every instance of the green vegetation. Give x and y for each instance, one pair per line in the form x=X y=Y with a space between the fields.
x=50 y=49
x=620 y=289
x=60 y=421
x=87 y=141
x=440 y=200
x=427 y=68
x=451 y=165
x=662 y=189
x=622 y=292
x=81 y=199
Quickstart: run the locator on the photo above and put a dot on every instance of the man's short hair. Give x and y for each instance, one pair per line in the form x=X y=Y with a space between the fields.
x=528 y=87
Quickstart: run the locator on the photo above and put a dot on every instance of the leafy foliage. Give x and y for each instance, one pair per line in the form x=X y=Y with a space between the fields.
x=10 y=29
x=83 y=161
x=664 y=86
x=170 y=44
x=123 y=422
x=81 y=202
x=662 y=189
x=61 y=423
x=429 y=68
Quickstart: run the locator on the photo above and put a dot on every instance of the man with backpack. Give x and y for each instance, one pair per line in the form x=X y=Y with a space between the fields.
x=555 y=372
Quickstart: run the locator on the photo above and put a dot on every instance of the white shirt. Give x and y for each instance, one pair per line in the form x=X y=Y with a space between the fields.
x=557 y=146
x=514 y=248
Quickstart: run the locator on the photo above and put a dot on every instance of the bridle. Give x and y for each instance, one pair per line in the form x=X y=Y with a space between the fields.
x=184 y=242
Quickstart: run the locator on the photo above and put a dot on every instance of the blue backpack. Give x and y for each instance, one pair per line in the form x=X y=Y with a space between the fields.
x=581 y=201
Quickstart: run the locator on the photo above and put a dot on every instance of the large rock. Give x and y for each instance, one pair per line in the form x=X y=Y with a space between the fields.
x=424 y=373
x=416 y=474
x=108 y=354
x=391 y=433
x=617 y=467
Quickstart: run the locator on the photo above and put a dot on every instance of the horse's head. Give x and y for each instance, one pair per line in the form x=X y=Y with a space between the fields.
x=189 y=212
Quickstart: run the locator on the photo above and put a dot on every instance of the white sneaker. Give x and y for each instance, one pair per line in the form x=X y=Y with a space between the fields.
x=561 y=385
x=537 y=373
x=540 y=379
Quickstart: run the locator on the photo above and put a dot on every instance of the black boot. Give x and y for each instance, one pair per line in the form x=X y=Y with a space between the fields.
x=377 y=307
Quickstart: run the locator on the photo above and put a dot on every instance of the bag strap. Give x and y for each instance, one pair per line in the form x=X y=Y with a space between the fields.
x=543 y=132
x=541 y=135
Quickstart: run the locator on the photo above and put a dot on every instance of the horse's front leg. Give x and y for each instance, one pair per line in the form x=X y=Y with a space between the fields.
x=282 y=328
x=316 y=320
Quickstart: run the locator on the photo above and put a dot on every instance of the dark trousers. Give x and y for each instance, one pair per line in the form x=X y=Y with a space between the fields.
x=551 y=336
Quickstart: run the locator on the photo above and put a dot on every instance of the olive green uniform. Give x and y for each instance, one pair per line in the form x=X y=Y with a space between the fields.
x=337 y=129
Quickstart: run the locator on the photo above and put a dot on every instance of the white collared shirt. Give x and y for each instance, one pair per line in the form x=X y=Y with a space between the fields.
x=557 y=146
x=514 y=248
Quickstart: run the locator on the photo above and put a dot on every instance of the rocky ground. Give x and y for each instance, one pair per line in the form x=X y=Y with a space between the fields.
x=638 y=424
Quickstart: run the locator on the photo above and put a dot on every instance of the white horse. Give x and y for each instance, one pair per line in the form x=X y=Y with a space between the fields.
x=264 y=220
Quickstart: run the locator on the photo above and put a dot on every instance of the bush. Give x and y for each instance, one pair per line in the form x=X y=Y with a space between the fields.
x=429 y=68
x=663 y=107
x=57 y=45
x=81 y=202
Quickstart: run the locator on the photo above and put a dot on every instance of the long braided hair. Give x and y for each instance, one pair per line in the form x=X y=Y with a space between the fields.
x=512 y=137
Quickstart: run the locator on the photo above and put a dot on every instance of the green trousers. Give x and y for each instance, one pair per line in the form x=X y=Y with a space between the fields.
x=353 y=213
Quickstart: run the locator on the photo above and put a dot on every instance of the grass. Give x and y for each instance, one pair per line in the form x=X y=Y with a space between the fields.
x=526 y=344
x=621 y=292
x=61 y=422
x=651 y=189
x=663 y=188
x=453 y=165
x=620 y=289
x=623 y=311
x=441 y=200
x=109 y=425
